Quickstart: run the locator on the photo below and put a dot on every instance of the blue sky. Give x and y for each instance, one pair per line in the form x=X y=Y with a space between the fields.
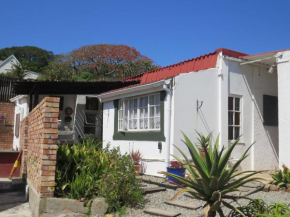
x=167 y=31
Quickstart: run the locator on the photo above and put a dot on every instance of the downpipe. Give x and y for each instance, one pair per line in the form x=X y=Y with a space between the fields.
x=167 y=118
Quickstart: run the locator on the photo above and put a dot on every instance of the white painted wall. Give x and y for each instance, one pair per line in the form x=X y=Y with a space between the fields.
x=22 y=108
x=201 y=86
x=154 y=159
x=251 y=83
x=284 y=108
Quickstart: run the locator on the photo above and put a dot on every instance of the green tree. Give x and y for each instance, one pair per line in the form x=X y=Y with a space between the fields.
x=32 y=58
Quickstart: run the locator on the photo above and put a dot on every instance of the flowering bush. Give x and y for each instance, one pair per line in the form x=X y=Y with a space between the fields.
x=175 y=164
x=118 y=184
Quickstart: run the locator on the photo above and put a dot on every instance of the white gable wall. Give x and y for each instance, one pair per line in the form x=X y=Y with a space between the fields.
x=8 y=64
x=190 y=87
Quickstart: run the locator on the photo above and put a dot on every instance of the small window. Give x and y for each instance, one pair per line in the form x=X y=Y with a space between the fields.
x=90 y=124
x=92 y=103
x=270 y=110
x=234 y=118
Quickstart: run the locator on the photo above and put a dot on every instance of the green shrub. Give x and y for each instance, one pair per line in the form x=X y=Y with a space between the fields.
x=119 y=186
x=258 y=208
x=282 y=177
x=79 y=168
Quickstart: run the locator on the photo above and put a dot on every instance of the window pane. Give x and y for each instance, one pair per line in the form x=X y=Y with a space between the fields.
x=135 y=103
x=141 y=123
x=151 y=123
x=157 y=99
x=90 y=119
x=135 y=113
x=157 y=111
x=237 y=118
x=231 y=134
x=151 y=100
x=141 y=102
x=231 y=119
x=131 y=104
x=89 y=130
x=135 y=124
x=130 y=124
x=146 y=113
x=146 y=123
x=237 y=104
x=152 y=111
x=231 y=103
x=146 y=101
x=141 y=113
x=237 y=132
x=157 y=123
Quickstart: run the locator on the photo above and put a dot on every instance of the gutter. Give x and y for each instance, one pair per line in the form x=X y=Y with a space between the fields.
x=133 y=91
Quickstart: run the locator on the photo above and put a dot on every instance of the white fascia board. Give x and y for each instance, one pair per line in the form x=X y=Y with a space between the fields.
x=133 y=91
x=18 y=97
x=243 y=61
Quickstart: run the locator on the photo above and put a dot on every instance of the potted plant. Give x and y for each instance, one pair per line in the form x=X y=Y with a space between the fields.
x=136 y=157
x=177 y=169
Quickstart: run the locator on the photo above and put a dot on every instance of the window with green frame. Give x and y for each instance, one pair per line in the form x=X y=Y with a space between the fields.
x=140 y=118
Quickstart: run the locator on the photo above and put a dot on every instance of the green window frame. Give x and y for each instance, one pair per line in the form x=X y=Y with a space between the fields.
x=152 y=135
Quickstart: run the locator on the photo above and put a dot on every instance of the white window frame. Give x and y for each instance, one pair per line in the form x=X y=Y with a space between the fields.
x=126 y=114
x=235 y=111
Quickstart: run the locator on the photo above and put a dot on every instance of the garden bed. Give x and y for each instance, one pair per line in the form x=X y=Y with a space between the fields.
x=157 y=200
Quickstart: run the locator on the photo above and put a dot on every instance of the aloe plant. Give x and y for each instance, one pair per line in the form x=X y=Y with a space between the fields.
x=209 y=178
x=282 y=177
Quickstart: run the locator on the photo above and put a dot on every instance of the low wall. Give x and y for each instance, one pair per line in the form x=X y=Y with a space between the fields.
x=38 y=140
x=7 y=160
x=6 y=125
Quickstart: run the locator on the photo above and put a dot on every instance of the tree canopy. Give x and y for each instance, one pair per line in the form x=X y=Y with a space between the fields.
x=99 y=62
x=31 y=58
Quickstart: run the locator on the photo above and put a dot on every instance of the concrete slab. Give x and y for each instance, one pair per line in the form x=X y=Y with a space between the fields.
x=153 y=190
x=160 y=212
x=15 y=210
x=183 y=204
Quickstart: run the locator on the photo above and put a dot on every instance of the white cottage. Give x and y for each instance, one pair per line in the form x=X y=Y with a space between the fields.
x=224 y=92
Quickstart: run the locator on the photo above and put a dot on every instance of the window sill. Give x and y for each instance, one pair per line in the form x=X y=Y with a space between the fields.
x=239 y=143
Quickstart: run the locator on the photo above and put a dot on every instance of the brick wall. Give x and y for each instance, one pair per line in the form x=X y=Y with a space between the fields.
x=6 y=125
x=38 y=140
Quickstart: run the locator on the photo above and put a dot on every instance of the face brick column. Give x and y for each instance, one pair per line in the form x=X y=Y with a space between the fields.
x=40 y=158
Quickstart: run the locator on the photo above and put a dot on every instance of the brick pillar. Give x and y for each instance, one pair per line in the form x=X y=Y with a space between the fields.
x=50 y=111
x=39 y=133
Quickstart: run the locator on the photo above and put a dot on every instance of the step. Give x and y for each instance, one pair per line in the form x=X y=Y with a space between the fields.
x=182 y=204
x=160 y=212
x=153 y=190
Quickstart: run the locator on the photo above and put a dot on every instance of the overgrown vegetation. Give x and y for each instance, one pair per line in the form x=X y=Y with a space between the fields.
x=86 y=170
x=119 y=185
x=258 y=208
x=282 y=177
x=209 y=178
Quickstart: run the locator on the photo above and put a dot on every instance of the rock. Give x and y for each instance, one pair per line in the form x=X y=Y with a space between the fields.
x=288 y=186
x=283 y=189
x=99 y=206
x=267 y=187
x=274 y=188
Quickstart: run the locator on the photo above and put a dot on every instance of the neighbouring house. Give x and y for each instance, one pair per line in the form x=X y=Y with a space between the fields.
x=7 y=65
x=225 y=92
x=80 y=113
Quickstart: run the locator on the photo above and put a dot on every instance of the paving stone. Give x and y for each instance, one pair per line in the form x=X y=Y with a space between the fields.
x=253 y=185
x=182 y=204
x=189 y=195
x=153 y=190
x=160 y=212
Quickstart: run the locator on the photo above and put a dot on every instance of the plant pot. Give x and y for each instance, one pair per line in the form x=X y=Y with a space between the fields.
x=176 y=171
x=202 y=153
x=137 y=169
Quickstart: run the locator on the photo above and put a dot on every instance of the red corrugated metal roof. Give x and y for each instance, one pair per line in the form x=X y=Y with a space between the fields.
x=192 y=65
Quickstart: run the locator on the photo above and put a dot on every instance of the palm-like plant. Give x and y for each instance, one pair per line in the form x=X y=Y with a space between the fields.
x=18 y=71
x=209 y=178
